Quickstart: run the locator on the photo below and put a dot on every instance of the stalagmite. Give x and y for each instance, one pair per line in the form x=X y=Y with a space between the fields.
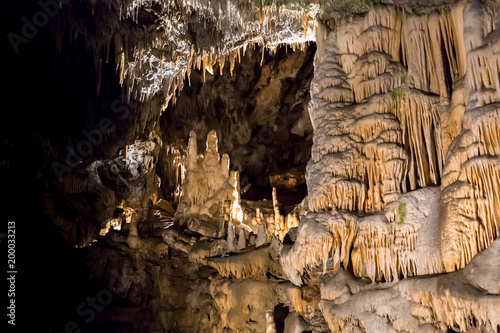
x=280 y=225
x=242 y=242
x=419 y=117
x=261 y=236
x=231 y=239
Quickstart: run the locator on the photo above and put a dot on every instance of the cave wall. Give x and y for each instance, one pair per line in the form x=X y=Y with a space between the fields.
x=402 y=179
x=390 y=117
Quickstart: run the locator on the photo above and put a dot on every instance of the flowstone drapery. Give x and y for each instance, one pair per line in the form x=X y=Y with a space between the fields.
x=402 y=102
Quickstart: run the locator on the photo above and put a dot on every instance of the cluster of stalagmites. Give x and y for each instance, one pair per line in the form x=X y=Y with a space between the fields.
x=210 y=205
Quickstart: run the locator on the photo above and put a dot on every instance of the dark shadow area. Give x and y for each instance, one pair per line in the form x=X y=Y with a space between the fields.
x=280 y=313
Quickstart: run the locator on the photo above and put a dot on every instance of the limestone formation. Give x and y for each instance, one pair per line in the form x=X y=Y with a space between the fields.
x=380 y=125
x=207 y=186
x=399 y=229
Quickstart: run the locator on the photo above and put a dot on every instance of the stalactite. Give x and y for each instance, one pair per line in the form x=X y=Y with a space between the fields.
x=141 y=77
x=422 y=47
x=380 y=250
x=483 y=173
x=471 y=175
x=419 y=117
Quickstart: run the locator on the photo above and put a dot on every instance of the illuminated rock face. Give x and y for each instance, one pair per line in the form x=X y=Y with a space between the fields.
x=472 y=173
x=403 y=188
x=377 y=129
x=431 y=303
x=404 y=174
x=377 y=122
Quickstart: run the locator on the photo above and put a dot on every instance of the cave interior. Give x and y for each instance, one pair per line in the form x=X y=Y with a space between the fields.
x=251 y=166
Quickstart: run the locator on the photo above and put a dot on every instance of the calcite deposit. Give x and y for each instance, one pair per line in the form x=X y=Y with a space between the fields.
x=378 y=128
x=302 y=166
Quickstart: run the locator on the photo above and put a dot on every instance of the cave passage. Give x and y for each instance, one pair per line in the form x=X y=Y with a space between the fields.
x=260 y=115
